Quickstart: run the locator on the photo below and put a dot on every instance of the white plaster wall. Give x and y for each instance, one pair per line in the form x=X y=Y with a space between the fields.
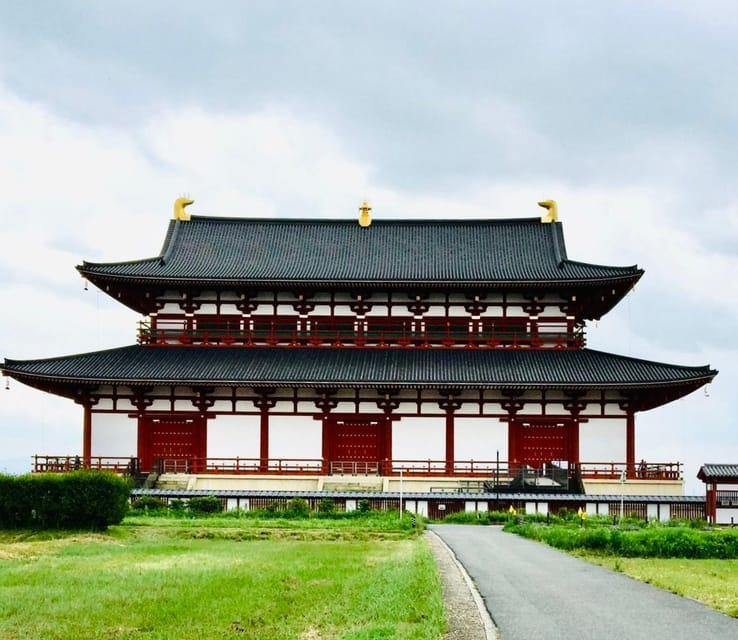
x=723 y=486
x=723 y=516
x=207 y=309
x=343 y=310
x=170 y=308
x=658 y=512
x=124 y=405
x=602 y=440
x=229 y=309
x=378 y=310
x=472 y=506
x=480 y=439
x=417 y=506
x=419 y=439
x=286 y=406
x=556 y=409
x=114 y=434
x=233 y=437
x=263 y=309
x=296 y=437
x=613 y=409
x=468 y=407
x=492 y=311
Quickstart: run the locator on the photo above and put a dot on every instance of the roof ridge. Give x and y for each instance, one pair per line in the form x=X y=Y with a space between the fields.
x=375 y=221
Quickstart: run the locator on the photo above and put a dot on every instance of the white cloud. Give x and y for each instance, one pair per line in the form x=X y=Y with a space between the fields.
x=74 y=191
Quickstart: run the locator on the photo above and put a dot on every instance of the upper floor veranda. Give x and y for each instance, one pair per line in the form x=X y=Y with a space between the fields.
x=375 y=319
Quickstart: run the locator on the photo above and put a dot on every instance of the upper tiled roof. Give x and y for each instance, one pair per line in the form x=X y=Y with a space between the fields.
x=404 y=252
x=715 y=471
x=316 y=367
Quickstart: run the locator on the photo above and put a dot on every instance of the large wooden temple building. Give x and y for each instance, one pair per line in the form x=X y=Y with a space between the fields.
x=327 y=354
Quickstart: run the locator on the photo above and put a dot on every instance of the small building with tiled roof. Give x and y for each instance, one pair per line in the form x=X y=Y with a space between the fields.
x=721 y=492
x=443 y=352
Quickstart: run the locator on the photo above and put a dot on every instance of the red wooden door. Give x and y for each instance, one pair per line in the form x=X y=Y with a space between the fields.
x=537 y=442
x=356 y=444
x=177 y=439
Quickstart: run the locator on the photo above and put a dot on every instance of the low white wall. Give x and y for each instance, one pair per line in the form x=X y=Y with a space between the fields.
x=723 y=516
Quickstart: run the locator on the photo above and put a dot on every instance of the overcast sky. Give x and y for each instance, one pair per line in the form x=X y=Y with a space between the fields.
x=626 y=113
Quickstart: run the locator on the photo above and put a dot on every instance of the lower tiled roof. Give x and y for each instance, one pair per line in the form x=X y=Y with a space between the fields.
x=711 y=471
x=440 y=497
x=348 y=367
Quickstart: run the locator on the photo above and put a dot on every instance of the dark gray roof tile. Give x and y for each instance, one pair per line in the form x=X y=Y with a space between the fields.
x=470 y=368
x=710 y=471
x=272 y=251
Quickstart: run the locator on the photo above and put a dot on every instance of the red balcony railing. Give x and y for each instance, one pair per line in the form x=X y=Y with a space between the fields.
x=482 y=469
x=44 y=464
x=334 y=331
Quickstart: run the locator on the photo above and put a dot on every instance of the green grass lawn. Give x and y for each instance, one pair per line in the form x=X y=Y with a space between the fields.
x=219 y=578
x=712 y=582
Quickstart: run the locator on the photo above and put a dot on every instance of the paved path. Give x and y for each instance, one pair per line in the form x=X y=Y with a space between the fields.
x=535 y=592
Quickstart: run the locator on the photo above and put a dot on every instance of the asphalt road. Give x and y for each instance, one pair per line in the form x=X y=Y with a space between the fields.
x=535 y=592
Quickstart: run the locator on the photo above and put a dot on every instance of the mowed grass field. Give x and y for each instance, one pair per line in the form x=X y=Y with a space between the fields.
x=206 y=580
x=712 y=582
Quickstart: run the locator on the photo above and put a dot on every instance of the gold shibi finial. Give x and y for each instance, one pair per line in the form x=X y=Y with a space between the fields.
x=365 y=218
x=553 y=213
x=179 y=208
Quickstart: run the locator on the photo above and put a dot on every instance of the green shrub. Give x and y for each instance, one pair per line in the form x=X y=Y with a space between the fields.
x=327 y=506
x=364 y=505
x=177 y=506
x=201 y=505
x=149 y=503
x=653 y=541
x=467 y=517
x=297 y=508
x=77 y=500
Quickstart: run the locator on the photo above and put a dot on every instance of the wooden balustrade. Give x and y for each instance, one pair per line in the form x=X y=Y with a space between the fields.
x=488 y=469
x=375 y=332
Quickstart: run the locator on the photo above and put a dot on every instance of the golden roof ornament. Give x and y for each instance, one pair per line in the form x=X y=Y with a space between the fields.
x=553 y=213
x=179 y=208
x=365 y=219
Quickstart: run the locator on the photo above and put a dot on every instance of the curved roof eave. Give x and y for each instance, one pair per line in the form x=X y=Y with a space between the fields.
x=326 y=367
x=631 y=277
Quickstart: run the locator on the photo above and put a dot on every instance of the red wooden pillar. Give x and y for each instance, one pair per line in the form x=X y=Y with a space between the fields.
x=450 y=457
x=450 y=404
x=326 y=448
x=386 y=467
x=630 y=445
x=711 y=502
x=574 y=441
x=87 y=434
x=264 y=402
x=264 y=440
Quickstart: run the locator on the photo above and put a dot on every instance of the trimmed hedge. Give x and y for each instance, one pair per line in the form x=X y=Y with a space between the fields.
x=648 y=542
x=78 y=500
x=204 y=505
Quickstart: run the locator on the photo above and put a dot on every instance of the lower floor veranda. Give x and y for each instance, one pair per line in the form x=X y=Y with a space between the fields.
x=317 y=438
